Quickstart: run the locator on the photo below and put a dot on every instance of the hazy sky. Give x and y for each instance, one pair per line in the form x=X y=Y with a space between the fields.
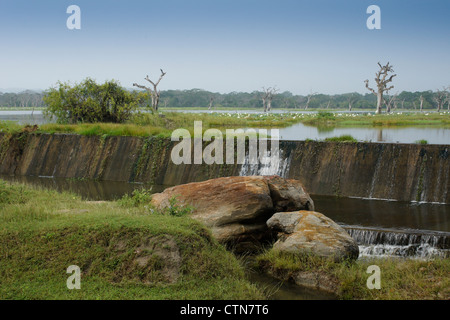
x=226 y=45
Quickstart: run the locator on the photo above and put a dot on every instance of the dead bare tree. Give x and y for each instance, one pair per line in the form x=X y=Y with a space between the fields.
x=267 y=97
x=440 y=97
x=153 y=92
x=264 y=99
x=308 y=99
x=382 y=81
x=211 y=100
x=351 y=99
x=447 y=97
x=421 y=102
x=391 y=101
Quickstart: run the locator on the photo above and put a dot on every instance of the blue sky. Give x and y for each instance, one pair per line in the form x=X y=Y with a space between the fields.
x=226 y=45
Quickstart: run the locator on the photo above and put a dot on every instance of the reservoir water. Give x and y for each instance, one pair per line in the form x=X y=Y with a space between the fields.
x=299 y=131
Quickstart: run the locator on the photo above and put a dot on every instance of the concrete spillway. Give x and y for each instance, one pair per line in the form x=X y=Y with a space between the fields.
x=404 y=172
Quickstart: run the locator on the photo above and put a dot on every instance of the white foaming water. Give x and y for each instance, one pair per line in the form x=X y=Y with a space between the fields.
x=415 y=244
x=267 y=165
x=423 y=252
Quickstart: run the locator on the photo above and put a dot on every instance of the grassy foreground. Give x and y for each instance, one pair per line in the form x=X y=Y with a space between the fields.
x=400 y=279
x=123 y=250
x=126 y=250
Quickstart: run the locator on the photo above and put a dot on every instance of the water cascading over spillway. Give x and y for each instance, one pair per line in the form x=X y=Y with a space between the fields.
x=267 y=165
x=421 y=244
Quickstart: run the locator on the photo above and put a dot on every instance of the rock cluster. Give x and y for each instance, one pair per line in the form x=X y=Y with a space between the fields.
x=237 y=208
x=242 y=210
x=312 y=232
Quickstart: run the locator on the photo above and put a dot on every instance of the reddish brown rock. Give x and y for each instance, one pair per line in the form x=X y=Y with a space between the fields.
x=237 y=207
x=288 y=194
x=311 y=232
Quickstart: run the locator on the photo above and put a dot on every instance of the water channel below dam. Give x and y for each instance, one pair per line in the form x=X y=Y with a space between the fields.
x=381 y=228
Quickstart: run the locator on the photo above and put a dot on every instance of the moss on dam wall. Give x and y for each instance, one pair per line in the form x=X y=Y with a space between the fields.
x=408 y=172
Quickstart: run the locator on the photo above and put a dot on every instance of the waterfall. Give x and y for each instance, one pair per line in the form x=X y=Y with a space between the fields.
x=267 y=165
x=375 y=177
x=421 y=244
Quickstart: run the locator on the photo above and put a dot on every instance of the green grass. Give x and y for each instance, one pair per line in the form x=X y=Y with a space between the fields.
x=401 y=279
x=343 y=138
x=124 y=251
x=100 y=129
x=10 y=127
x=146 y=124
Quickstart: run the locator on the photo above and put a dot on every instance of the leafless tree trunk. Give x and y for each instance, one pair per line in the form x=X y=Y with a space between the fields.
x=328 y=104
x=390 y=101
x=440 y=98
x=421 y=103
x=154 y=93
x=309 y=98
x=267 y=97
x=264 y=100
x=382 y=80
x=211 y=100
x=351 y=99
x=447 y=97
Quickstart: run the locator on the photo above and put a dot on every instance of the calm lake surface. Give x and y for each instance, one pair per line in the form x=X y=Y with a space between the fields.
x=299 y=131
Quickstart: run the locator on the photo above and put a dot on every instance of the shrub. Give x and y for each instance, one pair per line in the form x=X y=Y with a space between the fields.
x=325 y=116
x=136 y=199
x=90 y=102
x=176 y=210
x=343 y=138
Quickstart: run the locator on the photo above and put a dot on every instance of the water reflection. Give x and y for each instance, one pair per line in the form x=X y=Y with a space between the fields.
x=87 y=189
x=432 y=135
x=24 y=117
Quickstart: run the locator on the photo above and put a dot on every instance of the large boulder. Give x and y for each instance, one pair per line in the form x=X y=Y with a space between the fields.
x=237 y=208
x=311 y=232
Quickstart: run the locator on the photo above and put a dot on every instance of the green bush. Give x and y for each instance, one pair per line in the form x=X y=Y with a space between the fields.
x=343 y=138
x=136 y=199
x=90 y=102
x=176 y=210
x=326 y=116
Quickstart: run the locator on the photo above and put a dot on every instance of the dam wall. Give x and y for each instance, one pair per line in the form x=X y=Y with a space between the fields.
x=404 y=172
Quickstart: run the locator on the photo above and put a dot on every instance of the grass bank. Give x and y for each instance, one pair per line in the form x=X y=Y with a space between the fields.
x=163 y=124
x=401 y=279
x=124 y=251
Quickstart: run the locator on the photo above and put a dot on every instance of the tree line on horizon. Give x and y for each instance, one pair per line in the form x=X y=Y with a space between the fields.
x=200 y=98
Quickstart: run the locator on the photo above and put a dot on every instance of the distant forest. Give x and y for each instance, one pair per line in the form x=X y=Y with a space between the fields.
x=203 y=99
